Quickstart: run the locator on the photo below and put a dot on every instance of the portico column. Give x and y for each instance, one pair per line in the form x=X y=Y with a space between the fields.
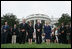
x=35 y=30
x=34 y=25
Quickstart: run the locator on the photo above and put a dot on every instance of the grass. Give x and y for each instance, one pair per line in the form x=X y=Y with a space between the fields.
x=34 y=45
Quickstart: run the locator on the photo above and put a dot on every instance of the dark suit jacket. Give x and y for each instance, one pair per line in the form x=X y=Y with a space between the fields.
x=62 y=29
x=15 y=30
x=23 y=26
x=63 y=35
x=38 y=27
x=30 y=29
x=6 y=28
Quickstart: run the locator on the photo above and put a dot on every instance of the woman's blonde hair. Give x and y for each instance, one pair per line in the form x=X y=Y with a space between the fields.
x=47 y=22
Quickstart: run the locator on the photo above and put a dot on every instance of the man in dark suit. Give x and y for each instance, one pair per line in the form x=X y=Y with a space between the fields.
x=5 y=33
x=22 y=34
x=62 y=34
x=38 y=28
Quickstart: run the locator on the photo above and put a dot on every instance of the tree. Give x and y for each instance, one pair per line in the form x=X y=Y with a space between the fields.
x=10 y=18
x=65 y=18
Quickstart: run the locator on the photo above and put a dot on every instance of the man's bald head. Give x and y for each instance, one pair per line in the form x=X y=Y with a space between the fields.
x=23 y=20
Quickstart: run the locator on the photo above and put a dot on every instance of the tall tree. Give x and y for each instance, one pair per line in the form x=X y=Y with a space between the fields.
x=10 y=18
x=65 y=18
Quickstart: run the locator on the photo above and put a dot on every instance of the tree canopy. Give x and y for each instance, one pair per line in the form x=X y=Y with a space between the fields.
x=10 y=18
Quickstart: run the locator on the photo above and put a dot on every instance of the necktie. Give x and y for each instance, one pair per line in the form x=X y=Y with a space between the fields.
x=38 y=24
x=23 y=24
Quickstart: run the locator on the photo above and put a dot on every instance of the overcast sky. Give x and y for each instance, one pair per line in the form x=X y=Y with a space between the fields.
x=24 y=8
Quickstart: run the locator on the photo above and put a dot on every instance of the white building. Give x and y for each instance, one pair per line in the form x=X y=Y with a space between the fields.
x=42 y=17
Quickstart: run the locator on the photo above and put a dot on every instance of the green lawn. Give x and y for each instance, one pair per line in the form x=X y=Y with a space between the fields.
x=34 y=45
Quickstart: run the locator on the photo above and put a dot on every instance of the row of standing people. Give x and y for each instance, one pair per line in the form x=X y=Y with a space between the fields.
x=16 y=34
x=19 y=35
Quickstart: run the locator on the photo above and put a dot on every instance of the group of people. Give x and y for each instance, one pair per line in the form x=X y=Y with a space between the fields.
x=19 y=34
x=62 y=34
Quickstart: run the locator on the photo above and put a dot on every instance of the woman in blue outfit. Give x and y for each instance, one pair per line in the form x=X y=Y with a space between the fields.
x=47 y=31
